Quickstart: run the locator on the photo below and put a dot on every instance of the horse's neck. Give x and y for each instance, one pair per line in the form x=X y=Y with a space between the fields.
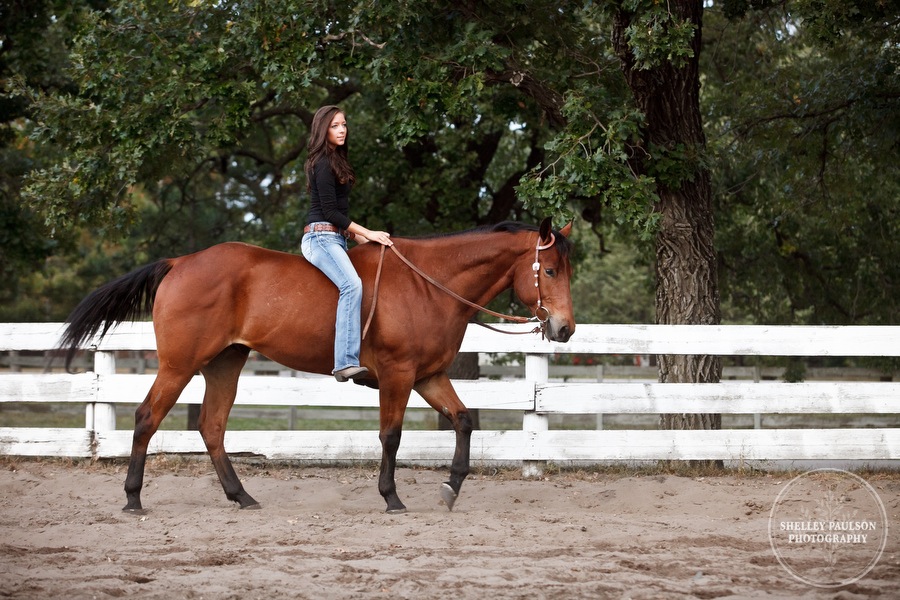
x=473 y=266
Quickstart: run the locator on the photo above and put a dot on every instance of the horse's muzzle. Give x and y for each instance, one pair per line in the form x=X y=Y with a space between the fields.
x=558 y=331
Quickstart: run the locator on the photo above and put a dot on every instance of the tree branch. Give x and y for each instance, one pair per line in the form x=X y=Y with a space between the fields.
x=547 y=98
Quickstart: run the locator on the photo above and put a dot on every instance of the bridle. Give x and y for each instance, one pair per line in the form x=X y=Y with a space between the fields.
x=536 y=267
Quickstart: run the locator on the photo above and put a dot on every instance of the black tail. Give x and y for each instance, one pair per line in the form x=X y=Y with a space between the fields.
x=125 y=299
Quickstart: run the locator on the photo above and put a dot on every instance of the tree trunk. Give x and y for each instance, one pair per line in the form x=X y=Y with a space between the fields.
x=687 y=283
x=193 y=417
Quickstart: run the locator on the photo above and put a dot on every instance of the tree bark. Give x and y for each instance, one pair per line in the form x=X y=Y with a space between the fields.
x=687 y=282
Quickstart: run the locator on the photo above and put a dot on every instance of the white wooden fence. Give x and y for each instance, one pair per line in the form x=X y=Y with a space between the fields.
x=535 y=396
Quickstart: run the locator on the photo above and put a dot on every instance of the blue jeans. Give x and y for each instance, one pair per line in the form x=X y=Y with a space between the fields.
x=328 y=252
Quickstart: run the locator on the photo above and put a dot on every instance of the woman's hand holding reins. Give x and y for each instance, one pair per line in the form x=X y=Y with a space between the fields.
x=363 y=235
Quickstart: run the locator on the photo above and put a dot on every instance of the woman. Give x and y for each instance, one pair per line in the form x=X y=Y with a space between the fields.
x=329 y=178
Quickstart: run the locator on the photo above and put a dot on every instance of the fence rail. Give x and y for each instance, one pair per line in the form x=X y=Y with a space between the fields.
x=137 y=362
x=534 y=395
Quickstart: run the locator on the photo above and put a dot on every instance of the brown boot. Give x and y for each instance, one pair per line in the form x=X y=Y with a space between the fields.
x=348 y=373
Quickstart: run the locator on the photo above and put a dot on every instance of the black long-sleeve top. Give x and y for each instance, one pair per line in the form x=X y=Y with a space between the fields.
x=330 y=200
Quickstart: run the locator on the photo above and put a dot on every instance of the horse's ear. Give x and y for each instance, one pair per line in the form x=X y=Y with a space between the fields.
x=566 y=230
x=546 y=229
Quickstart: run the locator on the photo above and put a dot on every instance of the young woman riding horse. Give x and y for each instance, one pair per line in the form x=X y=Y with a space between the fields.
x=211 y=308
x=329 y=179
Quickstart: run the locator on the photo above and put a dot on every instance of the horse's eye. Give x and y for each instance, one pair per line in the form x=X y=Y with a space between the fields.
x=550 y=272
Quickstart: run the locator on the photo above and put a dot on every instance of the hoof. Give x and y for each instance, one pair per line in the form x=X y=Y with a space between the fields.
x=396 y=511
x=448 y=495
x=254 y=506
x=135 y=511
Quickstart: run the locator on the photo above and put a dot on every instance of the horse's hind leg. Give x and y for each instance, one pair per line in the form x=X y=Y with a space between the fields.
x=440 y=395
x=162 y=396
x=221 y=376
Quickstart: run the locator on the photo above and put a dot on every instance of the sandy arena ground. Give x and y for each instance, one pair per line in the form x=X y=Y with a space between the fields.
x=322 y=534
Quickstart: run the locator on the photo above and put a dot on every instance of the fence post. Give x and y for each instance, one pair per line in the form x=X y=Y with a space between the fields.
x=101 y=416
x=537 y=370
x=292 y=414
x=599 y=426
x=757 y=418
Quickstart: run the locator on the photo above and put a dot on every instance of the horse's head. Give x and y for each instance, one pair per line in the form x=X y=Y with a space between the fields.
x=542 y=281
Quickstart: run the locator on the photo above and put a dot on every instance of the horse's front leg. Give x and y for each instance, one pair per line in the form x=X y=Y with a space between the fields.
x=439 y=393
x=393 y=399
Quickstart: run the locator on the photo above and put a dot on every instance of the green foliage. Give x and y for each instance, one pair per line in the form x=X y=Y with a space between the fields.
x=655 y=36
x=158 y=87
x=807 y=192
x=35 y=39
x=158 y=127
x=595 y=165
x=829 y=21
x=614 y=282
x=188 y=96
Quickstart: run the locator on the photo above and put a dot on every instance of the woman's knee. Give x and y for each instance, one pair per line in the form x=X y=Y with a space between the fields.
x=352 y=286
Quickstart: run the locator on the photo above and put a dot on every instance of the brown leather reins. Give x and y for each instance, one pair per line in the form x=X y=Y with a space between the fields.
x=536 y=267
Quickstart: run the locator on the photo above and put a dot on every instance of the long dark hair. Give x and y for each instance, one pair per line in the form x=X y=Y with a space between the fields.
x=318 y=146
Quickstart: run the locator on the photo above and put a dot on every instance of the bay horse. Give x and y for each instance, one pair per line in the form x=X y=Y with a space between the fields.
x=212 y=307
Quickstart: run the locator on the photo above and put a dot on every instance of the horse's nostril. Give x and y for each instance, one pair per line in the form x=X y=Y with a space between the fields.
x=563 y=334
